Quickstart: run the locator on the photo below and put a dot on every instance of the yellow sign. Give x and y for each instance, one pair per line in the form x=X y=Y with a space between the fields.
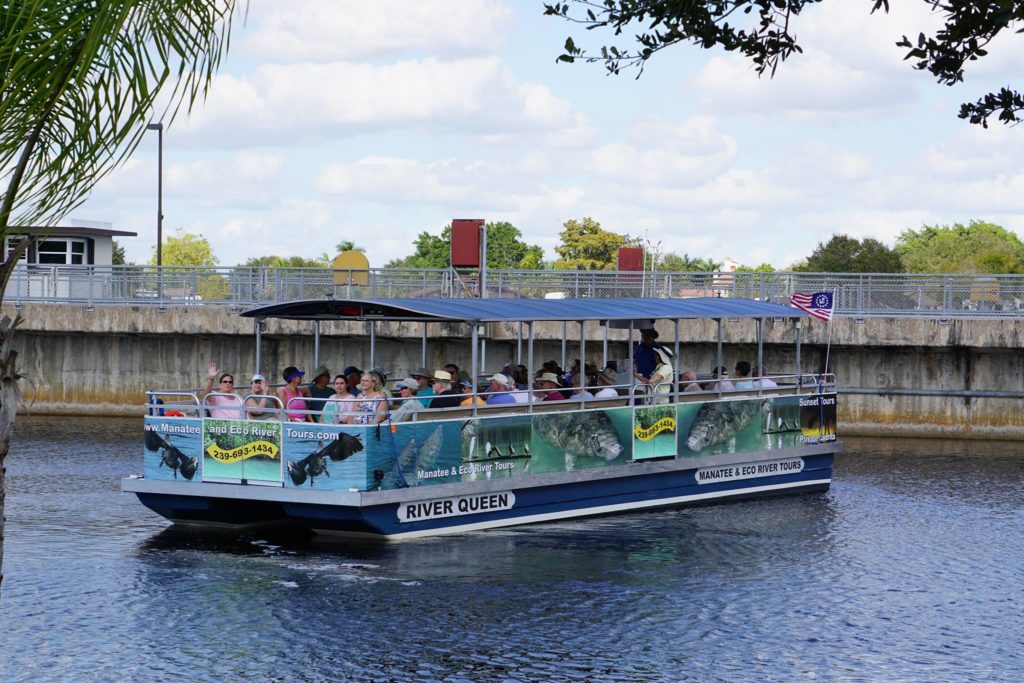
x=249 y=450
x=665 y=424
x=351 y=268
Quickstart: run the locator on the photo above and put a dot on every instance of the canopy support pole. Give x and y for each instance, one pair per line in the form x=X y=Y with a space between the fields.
x=423 y=350
x=718 y=357
x=583 y=364
x=473 y=362
x=373 y=342
x=259 y=344
x=529 y=367
x=316 y=344
x=799 y=370
x=760 y=351
x=677 y=367
x=519 y=343
x=604 y=351
x=565 y=333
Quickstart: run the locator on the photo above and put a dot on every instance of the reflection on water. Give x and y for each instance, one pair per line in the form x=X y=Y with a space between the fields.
x=907 y=570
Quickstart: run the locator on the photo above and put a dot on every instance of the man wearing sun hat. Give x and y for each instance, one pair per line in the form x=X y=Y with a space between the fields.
x=426 y=390
x=320 y=389
x=548 y=384
x=445 y=396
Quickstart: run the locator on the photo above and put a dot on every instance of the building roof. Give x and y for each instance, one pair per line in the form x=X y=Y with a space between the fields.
x=72 y=231
x=521 y=310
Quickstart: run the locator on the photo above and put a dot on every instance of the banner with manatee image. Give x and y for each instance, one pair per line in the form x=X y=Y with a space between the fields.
x=753 y=424
x=173 y=447
x=242 y=449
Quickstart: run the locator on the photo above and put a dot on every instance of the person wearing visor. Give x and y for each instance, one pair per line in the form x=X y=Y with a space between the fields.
x=260 y=405
x=222 y=403
x=293 y=395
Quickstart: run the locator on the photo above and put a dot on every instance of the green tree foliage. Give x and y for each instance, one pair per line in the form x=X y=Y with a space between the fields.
x=759 y=268
x=505 y=250
x=186 y=249
x=117 y=257
x=978 y=247
x=674 y=263
x=348 y=245
x=586 y=246
x=844 y=254
x=286 y=262
x=769 y=39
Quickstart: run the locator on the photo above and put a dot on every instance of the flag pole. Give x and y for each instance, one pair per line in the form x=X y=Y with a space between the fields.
x=828 y=344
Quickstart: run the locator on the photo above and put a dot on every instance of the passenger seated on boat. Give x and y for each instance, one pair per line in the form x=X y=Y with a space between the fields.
x=352 y=377
x=383 y=374
x=453 y=370
x=406 y=412
x=293 y=395
x=743 y=380
x=763 y=382
x=260 y=405
x=547 y=383
x=579 y=393
x=340 y=403
x=371 y=405
x=719 y=377
x=444 y=395
x=319 y=388
x=521 y=375
x=605 y=380
x=227 y=385
x=425 y=394
x=688 y=383
x=501 y=387
x=469 y=400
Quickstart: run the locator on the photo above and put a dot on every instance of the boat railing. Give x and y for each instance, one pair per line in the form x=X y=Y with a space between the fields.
x=156 y=406
x=239 y=408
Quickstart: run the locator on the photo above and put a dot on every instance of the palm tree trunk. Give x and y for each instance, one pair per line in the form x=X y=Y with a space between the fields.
x=8 y=406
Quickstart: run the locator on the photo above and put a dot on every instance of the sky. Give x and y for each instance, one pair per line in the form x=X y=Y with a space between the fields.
x=336 y=120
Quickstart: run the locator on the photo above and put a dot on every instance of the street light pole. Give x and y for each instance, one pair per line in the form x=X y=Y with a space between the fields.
x=159 y=128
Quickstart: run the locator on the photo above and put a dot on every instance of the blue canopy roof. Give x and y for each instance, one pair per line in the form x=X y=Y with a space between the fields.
x=514 y=310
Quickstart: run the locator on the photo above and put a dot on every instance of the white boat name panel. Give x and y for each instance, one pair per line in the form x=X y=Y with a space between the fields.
x=713 y=475
x=453 y=507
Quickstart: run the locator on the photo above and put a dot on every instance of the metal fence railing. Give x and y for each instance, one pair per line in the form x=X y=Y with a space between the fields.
x=241 y=287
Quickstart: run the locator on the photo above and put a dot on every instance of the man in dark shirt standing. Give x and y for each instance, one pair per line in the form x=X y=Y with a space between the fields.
x=644 y=357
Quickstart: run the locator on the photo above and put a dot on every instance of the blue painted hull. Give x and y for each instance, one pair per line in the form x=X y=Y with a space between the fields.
x=532 y=503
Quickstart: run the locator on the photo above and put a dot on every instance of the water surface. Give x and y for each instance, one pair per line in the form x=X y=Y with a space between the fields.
x=909 y=569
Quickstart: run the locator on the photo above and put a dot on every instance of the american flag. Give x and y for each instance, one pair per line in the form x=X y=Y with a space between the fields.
x=818 y=304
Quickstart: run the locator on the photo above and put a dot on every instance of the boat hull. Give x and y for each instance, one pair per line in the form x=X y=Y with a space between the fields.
x=467 y=506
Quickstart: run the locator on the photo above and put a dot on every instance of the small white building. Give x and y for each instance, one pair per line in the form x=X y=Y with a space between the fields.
x=84 y=243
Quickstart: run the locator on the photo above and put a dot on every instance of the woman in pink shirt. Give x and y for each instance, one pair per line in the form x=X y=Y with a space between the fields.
x=293 y=396
x=222 y=404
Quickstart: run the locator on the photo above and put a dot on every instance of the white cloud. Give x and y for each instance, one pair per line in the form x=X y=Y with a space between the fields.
x=343 y=30
x=296 y=103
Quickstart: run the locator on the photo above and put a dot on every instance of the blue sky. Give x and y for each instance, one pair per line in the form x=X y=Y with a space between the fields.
x=334 y=120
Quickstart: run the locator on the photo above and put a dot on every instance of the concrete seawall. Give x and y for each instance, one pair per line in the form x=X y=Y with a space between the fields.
x=101 y=361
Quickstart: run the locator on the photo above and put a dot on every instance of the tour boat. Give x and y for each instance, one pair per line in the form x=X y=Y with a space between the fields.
x=462 y=469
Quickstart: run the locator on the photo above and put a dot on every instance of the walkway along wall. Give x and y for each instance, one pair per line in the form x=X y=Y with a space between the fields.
x=964 y=378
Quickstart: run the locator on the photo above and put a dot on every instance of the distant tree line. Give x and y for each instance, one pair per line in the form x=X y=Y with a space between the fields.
x=978 y=247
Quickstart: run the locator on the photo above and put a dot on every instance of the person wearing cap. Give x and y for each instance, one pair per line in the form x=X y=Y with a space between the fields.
x=466 y=386
x=409 y=406
x=320 y=389
x=426 y=391
x=644 y=357
x=605 y=379
x=293 y=395
x=229 y=404
x=260 y=405
x=548 y=384
x=353 y=376
x=500 y=386
x=445 y=396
